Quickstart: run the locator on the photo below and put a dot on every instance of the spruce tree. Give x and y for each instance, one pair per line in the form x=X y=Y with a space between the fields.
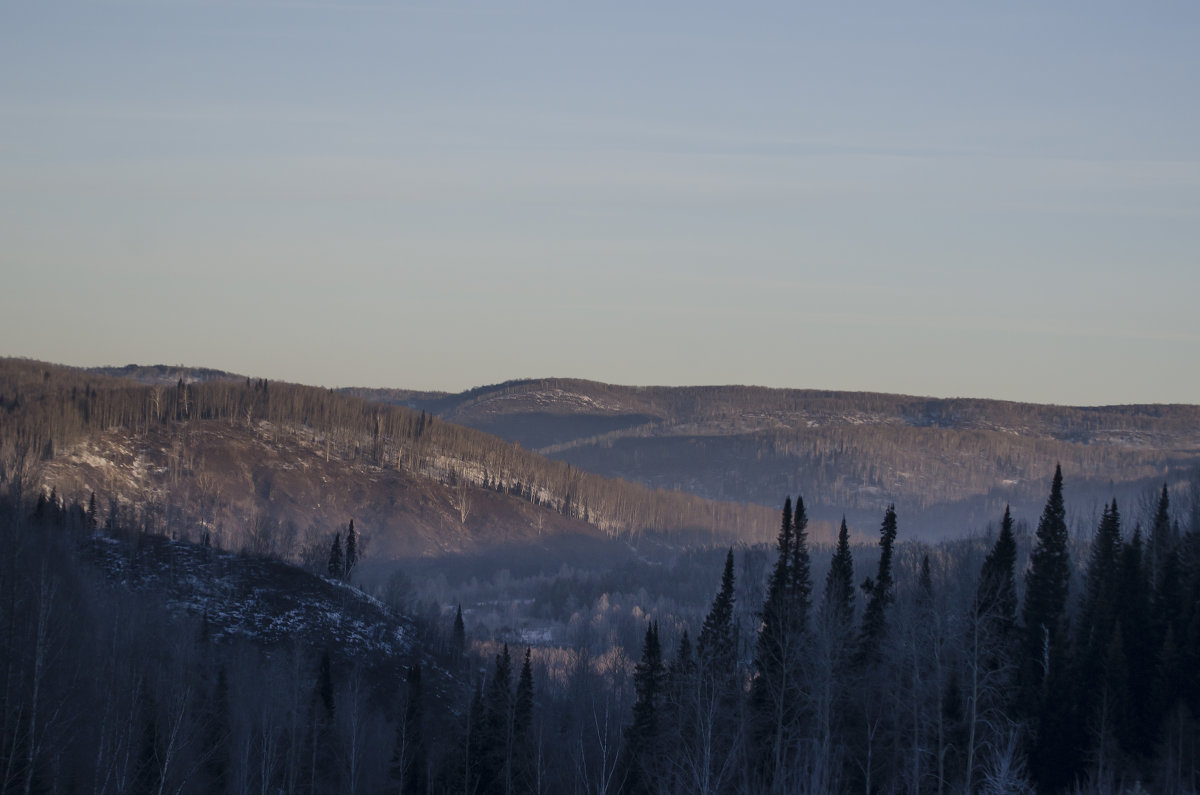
x=351 y=550
x=878 y=593
x=1137 y=732
x=996 y=598
x=1097 y=613
x=458 y=636
x=680 y=708
x=775 y=695
x=496 y=745
x=475 y=748
x=1046 y=585
x=718 y=689
x=1096 y=625
x=799 y=572
x=524 y=749
x=839 y=582
x=717 y=645
x=1161 y=542
x=643 y=738
x=336 y=562
x=1046 y=681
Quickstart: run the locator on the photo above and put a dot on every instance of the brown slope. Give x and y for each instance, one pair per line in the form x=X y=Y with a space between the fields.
x=276 y=493
x=948 y=464
x=256 y=458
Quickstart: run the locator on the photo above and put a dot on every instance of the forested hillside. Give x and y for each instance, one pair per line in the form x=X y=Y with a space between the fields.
x=1008 y=664
x=256 y=463
x=948 y=465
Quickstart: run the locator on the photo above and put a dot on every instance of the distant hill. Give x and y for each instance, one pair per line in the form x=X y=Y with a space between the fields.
x=277 y=469
x=949 y=465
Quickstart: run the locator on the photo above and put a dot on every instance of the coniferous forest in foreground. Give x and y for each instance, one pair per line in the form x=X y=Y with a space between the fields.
x=949 y=668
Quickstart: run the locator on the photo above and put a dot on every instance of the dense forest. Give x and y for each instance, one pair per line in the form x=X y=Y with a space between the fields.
x=1011 y=663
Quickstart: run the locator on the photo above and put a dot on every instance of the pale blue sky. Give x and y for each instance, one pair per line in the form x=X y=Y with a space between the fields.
x=929 y=198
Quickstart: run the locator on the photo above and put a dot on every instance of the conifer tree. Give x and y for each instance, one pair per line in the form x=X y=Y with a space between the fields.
x=991 y=649
x=996 y=598
x=496 y=745
x=336 y=562
x=1161 y=542
x=1046 y=585
x=92 y=521
x=1093 y=653
x=775 y=697
x=475 y=748
x=1046 y=681
x=839 y=582
x=524 y=760
x=717 y=645
x=679 y=703
x=351 y=550
x=799 y=572
x=643 y=739
x=458 y=636
x=878 y=592
x=1097 y=613
x=1136 y=733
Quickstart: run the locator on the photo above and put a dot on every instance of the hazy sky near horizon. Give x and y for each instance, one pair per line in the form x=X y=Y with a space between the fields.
x=989 y=200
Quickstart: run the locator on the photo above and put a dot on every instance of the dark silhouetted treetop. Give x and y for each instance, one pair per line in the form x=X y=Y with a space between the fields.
x=878 y=591
x=839 y=582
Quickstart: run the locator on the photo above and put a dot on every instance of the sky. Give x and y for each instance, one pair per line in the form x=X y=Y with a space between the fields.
x=995 y=200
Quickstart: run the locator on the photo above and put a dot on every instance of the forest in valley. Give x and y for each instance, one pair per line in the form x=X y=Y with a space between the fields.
x=154 y=644
x=1015 y=662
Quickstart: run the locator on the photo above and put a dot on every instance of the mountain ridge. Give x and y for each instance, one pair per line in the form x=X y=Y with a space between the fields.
x=950 y=463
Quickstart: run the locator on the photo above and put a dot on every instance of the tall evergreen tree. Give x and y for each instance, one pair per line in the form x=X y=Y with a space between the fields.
x=1161 y=543
x=458 y=635
x=717 y=644
x=1046 y=682
x=878 y=592
x=775 y=698
x=839 y=582
x=679 y=710
x=336 y=561
x=711 y=749
x=496 y=747
x=1046 y=585
x=1138 y=730
x=351 y=550
x=643 y=739
x=997 y=594
x=524 y=749
x=1094 y=655
x=1097 y=613
x=799 y=571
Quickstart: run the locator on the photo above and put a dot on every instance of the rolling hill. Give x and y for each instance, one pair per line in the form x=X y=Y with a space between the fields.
x=949 y=465
x=277 y=469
